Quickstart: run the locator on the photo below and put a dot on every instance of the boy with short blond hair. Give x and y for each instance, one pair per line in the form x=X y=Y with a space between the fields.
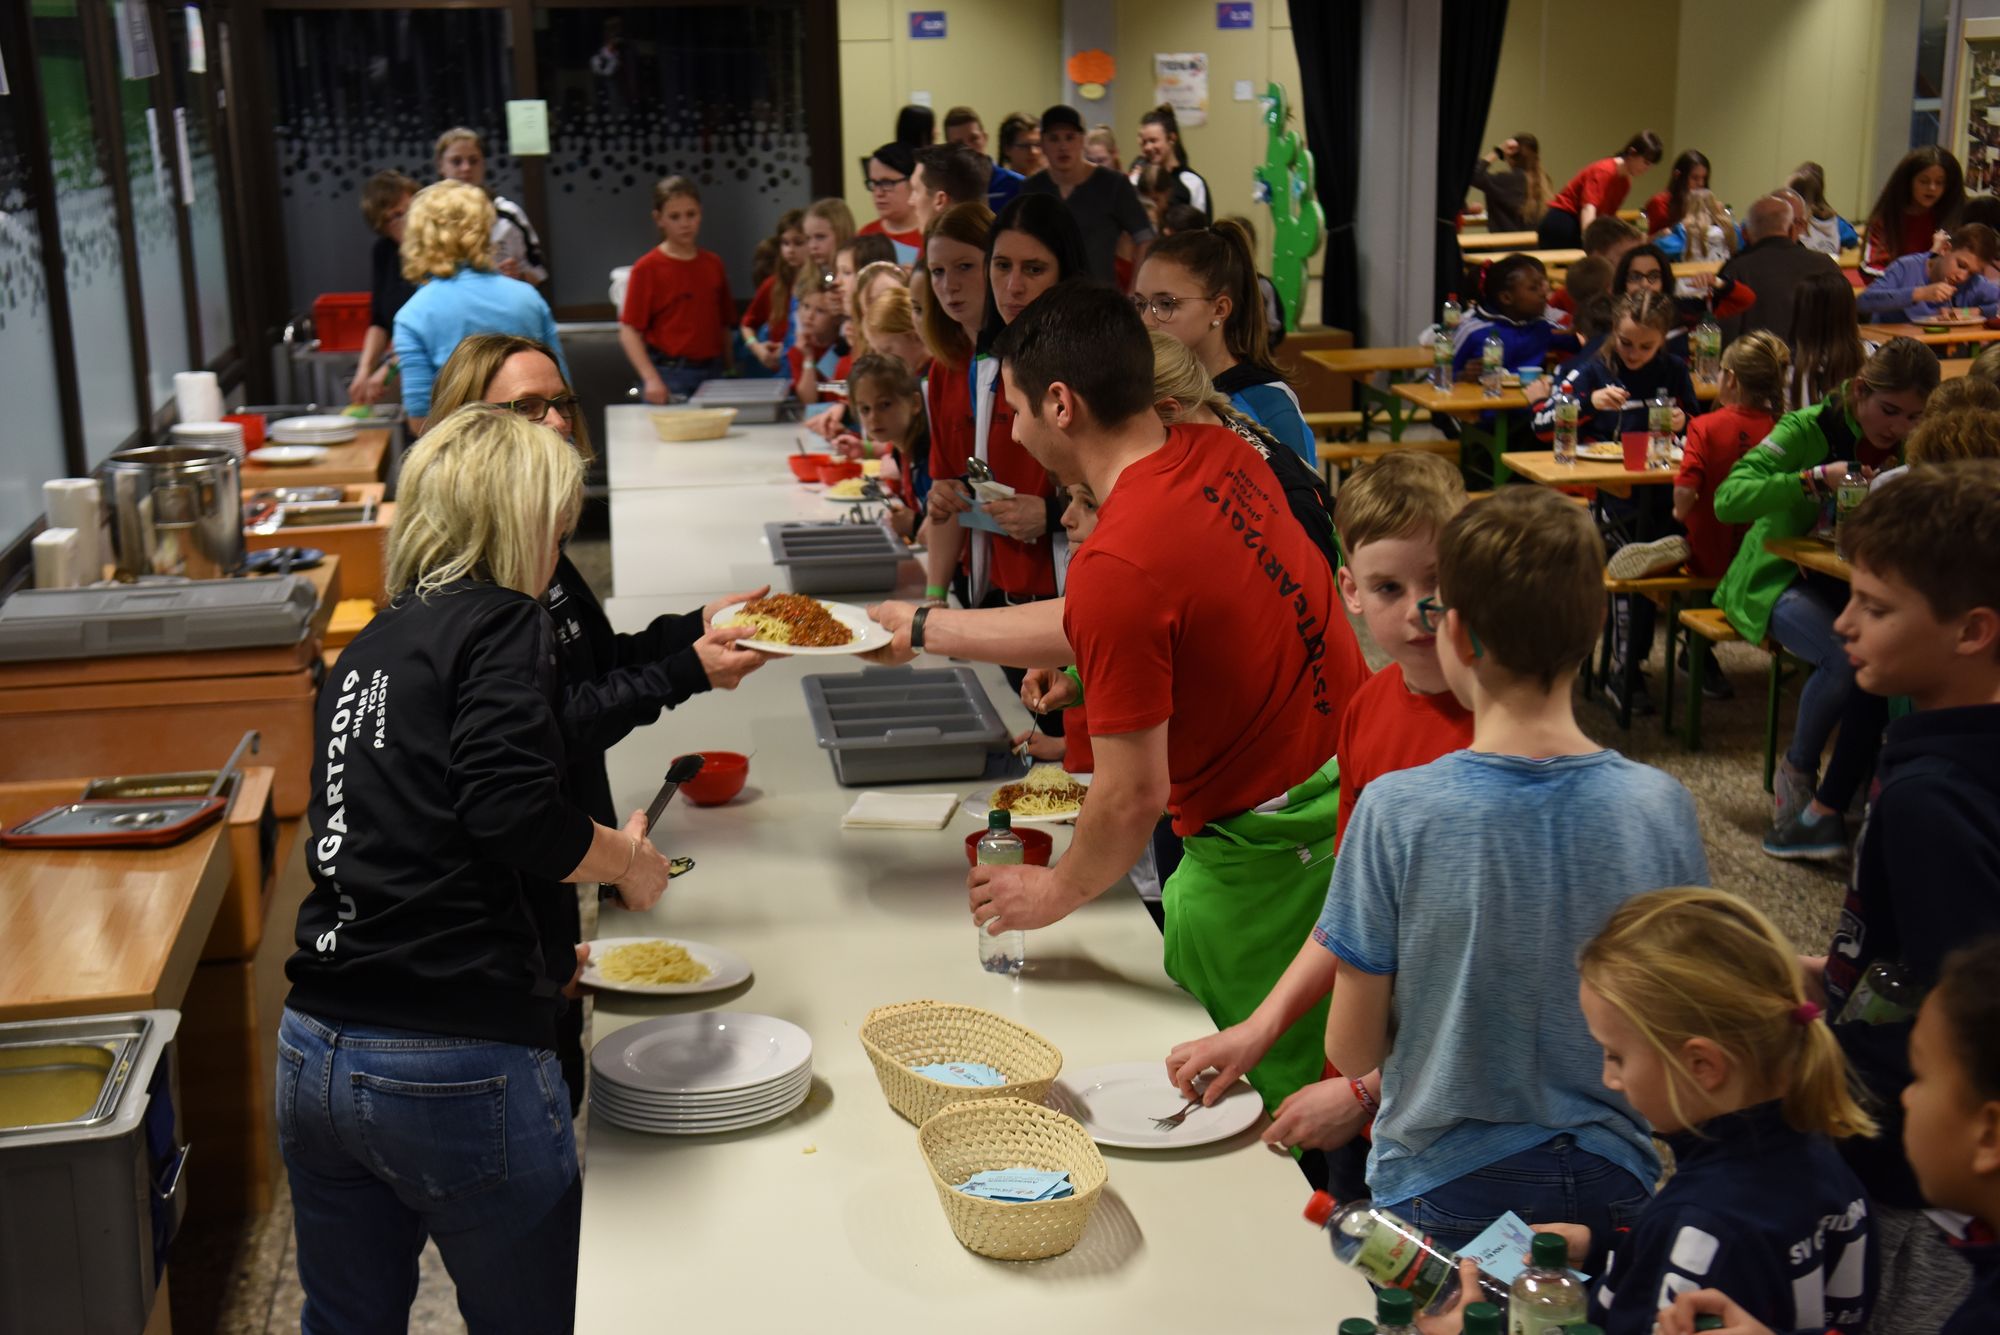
x=1470 y=884
x=1923 y=622
x=1388 y=519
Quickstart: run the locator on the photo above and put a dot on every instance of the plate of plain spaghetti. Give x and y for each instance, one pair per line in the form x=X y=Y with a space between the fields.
x=791 y=623
x=662 y=966
x=1045 y=795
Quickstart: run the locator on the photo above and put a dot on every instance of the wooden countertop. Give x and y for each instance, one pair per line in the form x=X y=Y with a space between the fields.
x=90 y=931
x=359 y=461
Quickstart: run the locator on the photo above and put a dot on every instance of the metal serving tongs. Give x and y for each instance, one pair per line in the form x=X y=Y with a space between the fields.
x=679 y=772
x=252 y=741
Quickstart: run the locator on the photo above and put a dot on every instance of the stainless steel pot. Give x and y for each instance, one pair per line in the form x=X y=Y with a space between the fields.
x=174 y=510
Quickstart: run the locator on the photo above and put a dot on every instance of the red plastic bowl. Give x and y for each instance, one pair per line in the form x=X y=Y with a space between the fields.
x=838 y=470
x=805 y=467
x=1038 y=842
x=722 y=776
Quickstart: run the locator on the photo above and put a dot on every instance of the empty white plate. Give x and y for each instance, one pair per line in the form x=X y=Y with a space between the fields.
x=705 y=1052
x=625 y=1103
x=725 y=967
x=702 y=1105
x=666 y=1127
x=319 y=429
x=1116 y=1105
x=287 y=456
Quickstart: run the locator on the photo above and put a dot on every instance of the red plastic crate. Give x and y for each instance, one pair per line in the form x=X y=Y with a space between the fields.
x=341 y=319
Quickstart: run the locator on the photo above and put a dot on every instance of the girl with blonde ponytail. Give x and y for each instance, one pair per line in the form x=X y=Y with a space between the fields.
x=1710 y=1032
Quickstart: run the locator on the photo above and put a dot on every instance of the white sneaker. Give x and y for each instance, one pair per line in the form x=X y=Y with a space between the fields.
x=1791 y=790
x=1636 y=560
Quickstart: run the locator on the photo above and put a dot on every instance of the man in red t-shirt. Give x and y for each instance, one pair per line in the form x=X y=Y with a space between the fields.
x=1216 y=663
x=678 y=311
x=889 y=170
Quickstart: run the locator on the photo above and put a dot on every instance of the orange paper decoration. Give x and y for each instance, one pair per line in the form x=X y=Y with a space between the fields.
x=1092 y=66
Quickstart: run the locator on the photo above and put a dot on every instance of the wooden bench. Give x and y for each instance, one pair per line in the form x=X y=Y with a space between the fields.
x=1666 y=592
x=1712 y=626
x=1335 y=455
x=1347 y=424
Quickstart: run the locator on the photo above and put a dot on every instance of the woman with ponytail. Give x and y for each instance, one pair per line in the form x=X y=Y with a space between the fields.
x=1710 y=1032
x=1160 y=146
x=1201 y=287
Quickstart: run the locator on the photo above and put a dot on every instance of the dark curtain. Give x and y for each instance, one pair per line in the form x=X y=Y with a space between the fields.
x=1468 y=59
x=1327 y=36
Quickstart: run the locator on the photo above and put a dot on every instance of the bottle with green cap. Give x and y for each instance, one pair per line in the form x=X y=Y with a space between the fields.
x=1585 y=1328
x=1545 y=1296
x=1357 y=1325
x=1395 y=1313
x=1004 y=952
x=1482 y=1319
x=1708 y=1323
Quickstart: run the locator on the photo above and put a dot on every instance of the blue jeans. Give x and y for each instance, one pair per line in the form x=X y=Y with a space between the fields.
x=392 y=1136
x=1802 y=621
x=683 y=376
x=1554 y=1183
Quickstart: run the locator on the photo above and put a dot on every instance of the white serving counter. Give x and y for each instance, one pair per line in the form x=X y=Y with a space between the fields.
x=827 y=1219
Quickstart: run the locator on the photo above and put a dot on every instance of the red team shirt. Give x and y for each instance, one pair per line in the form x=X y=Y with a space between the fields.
x=1196 y=570
x=1018 y=567
x=1389 y=727
x=1601 y=183
x=769 y=312
x=1715 y=441
x=912 y=240
x=681 y=307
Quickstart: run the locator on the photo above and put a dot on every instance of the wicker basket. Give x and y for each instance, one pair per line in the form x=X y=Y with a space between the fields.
x=917 y=1033
x=694 y=423
x=967 y=1138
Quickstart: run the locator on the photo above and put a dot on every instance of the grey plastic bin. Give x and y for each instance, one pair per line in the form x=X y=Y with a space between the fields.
x=169 y=616
x=836 y=558
x=900 y=725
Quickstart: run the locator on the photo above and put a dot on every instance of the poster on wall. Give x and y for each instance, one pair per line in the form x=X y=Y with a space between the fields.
x=1976 y=126
x=1180 y=79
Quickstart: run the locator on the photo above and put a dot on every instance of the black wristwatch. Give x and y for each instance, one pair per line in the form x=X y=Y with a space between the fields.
x=917 y=628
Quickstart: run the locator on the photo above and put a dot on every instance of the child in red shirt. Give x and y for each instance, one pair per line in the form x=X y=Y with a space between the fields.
x=1749 y=401
x=1388 y=519
x=770 y=311
x=678 y=311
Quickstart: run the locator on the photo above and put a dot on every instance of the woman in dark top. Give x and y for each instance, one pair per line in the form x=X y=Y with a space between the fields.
x=384 y=202
x=1517 y=195
x=418 y=1094
x=610 y=683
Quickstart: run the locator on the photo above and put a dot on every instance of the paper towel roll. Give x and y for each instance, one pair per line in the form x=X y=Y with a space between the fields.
x=77 y=503
x=56 y=564
x=198 y=396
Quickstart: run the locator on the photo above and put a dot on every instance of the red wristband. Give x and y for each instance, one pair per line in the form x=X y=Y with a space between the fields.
x=1363 y=1097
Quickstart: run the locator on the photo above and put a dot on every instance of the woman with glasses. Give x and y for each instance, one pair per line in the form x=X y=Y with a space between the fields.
x=1201 y=287
x=887 y=172
x=448 y=252
x=610 y=683
x=418 y=1094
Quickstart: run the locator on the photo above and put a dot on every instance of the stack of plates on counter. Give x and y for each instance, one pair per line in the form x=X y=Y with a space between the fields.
x=691 y=1075
x=322 y=429
x=210 y=436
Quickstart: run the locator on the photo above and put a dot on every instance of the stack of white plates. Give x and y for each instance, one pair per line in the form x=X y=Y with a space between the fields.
x=691 y=1075
x=322 y=429
x=210 y=436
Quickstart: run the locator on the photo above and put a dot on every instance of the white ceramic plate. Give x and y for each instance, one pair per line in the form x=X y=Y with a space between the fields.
x=703 y=1052
x=1601 y=453
x=654 y=1126
x=849 y=500
x=867 y=634
x=1116 y=1105
x=322 y=428
x=659 y=1105
x=287 y=456
x=980 y=801
x=725 y=967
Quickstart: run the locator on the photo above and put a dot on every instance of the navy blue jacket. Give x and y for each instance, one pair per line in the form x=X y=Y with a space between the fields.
x=1767 y=1214
x=1585 y=378
x=1979 y=1314
x=1526 y=342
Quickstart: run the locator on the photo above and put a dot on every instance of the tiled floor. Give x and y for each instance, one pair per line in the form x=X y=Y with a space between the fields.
x=242 y=1280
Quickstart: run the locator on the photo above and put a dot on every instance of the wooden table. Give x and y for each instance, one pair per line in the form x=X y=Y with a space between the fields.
x=360 y=547
x=1468 y=402
x=1882 y=333
x=1954 y=368
x=1362 y=365
x=1497 y=240
x=361 y=460
x=90 y=931
x=1541 y=466
x=1810 y=553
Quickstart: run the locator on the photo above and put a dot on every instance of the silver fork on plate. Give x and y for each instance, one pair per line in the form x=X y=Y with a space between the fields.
x=1170 y=1123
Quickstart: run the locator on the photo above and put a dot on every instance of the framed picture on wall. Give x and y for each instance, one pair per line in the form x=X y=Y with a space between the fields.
x=1976 y=118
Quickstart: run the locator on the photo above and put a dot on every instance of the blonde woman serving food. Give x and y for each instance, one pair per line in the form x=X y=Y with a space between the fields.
x=417 y=1091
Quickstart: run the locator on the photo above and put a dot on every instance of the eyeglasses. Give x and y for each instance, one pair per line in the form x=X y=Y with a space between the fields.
x=536 y=408
x=1163 y=308
x=1650 y=277
x=877 y=184
x=1430 y=615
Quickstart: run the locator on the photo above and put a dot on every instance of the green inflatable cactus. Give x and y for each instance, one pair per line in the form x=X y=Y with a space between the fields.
x=1285 y=186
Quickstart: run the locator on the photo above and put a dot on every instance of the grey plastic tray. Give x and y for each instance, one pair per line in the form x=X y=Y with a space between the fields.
x=901 y=725
x=753 y=400
x=835 y=558
x=164 y=618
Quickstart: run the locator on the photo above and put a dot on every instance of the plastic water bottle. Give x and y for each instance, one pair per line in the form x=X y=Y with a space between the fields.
x=1546 y=1297
x=1885 y=995
x=1490 y=369
x=1567 y=410
x=1003 y=952
x=1482 y=1319
x=1453 y=313
x=1660 y=428
x=1393 y=1254
x=1847 y=498
x=1395 y=1313
x=1356 y=1325
x=1708 y=348
x=1441 y=361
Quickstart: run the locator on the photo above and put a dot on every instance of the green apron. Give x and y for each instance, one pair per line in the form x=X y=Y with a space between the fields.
x=1245 y=897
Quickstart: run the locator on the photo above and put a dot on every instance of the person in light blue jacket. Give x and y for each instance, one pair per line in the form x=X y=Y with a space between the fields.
x=1916 y=287
x=448 y=250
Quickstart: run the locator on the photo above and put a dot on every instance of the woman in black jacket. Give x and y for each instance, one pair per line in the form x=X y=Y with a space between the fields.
x=418 y=1092
x=610 y=683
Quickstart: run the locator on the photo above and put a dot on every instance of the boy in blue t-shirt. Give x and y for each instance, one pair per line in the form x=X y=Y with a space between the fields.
x=1917 y=287
x=1466 y=887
